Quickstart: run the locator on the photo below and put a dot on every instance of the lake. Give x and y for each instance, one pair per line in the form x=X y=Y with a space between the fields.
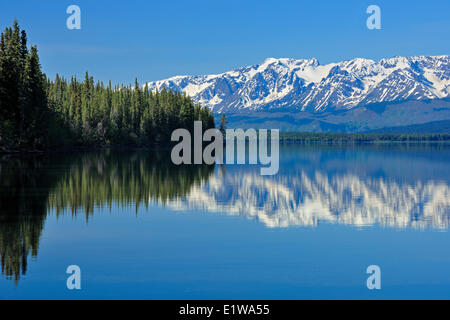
x=141 y=228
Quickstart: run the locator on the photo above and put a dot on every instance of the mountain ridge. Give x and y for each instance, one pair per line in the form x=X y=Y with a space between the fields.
x=298 y=85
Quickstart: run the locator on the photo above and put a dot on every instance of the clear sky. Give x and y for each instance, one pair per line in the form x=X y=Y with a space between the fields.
x=152 y=40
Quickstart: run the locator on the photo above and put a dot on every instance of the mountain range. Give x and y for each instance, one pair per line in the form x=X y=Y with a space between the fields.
x=353 y=95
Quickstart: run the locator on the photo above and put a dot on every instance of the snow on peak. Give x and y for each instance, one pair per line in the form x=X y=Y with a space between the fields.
x=306 y=84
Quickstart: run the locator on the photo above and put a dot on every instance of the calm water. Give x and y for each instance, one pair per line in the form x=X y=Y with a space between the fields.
x=141 y=228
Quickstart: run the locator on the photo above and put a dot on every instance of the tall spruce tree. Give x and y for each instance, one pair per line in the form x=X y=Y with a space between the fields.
x=23 y=102
x=36 y=112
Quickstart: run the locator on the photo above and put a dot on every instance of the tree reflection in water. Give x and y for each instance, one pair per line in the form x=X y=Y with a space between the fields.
x=31 y=186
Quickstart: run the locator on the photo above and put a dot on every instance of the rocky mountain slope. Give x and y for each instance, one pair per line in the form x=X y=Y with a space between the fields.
x=306 y=85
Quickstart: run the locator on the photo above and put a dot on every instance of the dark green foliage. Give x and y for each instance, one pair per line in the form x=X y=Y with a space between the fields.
x=36 y=113
x=223 y=123
x=123 y=115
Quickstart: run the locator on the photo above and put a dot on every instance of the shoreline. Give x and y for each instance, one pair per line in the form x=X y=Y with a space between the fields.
x=282 y=141
x=80 y=149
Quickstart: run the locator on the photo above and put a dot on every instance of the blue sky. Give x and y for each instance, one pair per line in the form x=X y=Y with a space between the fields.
x=152 y=40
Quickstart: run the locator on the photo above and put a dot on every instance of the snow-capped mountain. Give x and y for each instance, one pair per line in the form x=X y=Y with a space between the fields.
x=306 y=85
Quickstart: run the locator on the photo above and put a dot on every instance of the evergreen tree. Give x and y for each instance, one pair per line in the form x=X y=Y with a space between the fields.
x=36 y=112
x=223 y=123
x=23 y=101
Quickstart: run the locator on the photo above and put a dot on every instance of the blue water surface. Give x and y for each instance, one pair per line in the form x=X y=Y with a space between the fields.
x=141 y=229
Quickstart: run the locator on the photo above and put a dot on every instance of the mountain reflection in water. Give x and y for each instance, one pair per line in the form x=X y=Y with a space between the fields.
x=307 y=199
x=401 y=186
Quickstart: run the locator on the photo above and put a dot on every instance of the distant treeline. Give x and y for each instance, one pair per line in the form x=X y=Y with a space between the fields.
x=38 y=113
x=304 y=137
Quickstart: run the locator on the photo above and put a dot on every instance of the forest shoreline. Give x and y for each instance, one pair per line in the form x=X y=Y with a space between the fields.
x=299 y=138
x=39 y=114
x=72 y=149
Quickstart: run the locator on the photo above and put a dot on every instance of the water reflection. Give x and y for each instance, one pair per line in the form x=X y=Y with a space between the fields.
x=100 y=180
x=30 y=187
x=308 y=199
x=391 y=186
x=24 y=188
